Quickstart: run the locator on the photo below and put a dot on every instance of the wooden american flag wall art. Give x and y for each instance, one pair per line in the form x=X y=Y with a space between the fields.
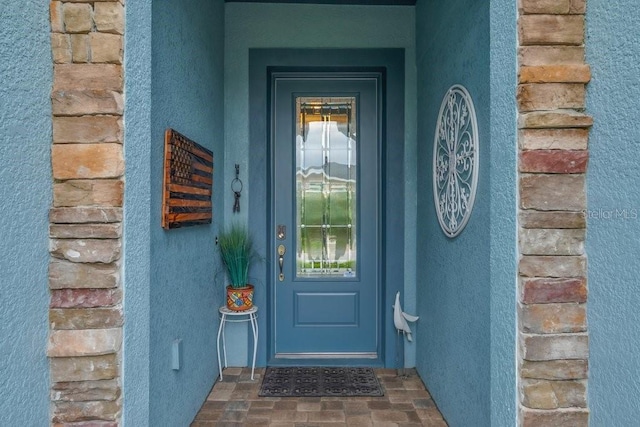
x=188 y=179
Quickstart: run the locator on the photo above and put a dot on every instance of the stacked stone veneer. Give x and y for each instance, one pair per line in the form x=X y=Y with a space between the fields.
x=86 y=316
x=553 y=155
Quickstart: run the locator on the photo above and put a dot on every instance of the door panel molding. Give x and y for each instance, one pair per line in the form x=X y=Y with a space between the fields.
x=390 y=62
x=346 y=304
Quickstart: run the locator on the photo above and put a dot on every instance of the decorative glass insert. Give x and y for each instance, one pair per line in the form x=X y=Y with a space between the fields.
x=326 y=185
x=455 y=160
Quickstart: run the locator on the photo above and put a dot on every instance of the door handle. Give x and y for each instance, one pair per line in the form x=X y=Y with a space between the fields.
x=281 y=251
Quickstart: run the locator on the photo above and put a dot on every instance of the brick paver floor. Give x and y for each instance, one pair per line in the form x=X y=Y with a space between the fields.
x=235 y=402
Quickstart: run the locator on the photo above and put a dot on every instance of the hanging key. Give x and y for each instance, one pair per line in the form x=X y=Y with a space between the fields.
x=236 y=204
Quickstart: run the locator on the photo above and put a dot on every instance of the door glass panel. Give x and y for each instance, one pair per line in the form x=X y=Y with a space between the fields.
x=326 y=176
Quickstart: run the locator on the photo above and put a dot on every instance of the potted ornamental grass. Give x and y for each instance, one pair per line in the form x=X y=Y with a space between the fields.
x=237 y=254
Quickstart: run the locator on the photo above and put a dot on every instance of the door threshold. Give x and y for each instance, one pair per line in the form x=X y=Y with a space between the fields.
x=326 y=356
x=311 y=360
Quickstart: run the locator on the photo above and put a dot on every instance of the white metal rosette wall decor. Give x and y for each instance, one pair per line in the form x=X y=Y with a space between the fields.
x=455 y=160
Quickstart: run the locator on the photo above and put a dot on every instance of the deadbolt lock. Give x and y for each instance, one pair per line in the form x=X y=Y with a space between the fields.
x=282 y=232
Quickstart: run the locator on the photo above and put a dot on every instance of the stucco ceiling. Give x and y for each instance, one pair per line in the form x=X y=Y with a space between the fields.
x=363 y=2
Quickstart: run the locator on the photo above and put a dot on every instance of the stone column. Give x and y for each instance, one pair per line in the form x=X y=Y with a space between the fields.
x=553 y=155
x=85 y=337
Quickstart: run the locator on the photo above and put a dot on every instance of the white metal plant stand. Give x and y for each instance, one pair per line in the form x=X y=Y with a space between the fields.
x=230 y=316
x=455 y=160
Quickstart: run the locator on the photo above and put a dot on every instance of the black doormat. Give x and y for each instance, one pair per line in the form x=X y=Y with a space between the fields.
x=319 y=381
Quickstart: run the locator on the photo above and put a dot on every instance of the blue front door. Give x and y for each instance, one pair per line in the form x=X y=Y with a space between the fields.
x=326 y=142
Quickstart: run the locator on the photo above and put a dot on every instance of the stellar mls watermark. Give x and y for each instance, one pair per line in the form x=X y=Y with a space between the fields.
x=624 y=214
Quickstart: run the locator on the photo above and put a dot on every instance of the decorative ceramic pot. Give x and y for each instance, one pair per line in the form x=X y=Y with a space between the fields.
x=240 y=299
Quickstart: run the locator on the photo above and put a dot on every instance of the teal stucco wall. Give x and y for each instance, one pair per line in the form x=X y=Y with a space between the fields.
x=252 y=25
x=137 y=214
x=503 y=223
x=613 y=221
x=169 y=275
x=25 y=191
x=466 y=285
